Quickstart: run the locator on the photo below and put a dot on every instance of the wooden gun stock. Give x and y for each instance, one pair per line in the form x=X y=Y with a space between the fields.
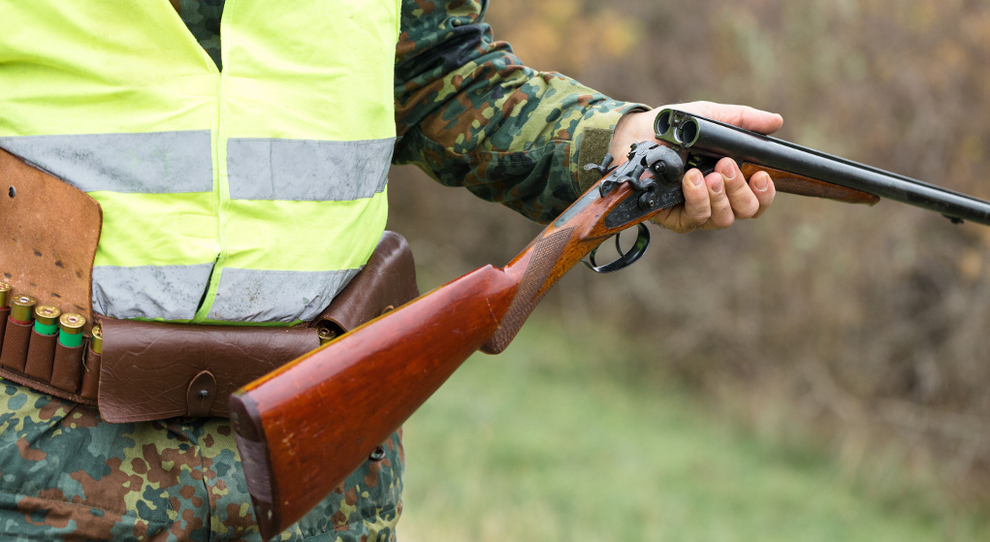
x=800 y=185
x=304 y=428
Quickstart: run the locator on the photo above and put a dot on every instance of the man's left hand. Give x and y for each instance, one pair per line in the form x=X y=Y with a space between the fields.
x=714 y=201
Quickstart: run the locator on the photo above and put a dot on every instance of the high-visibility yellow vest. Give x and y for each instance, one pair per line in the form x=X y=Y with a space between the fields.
x=251 y=195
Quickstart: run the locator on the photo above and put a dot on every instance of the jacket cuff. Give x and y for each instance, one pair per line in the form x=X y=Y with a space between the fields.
x=594 y=138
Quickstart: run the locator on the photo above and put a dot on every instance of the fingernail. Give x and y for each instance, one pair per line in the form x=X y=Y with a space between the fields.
x=696 y=178
x=729 y=174
x=760 y=183
x=716 y=186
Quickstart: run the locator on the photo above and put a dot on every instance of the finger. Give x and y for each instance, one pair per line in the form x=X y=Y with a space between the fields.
x=695 y=210
x=722 y=215
x=745 y=117
x=697 y=205
x=748 y=118
x=763 y=189
x=741 y=198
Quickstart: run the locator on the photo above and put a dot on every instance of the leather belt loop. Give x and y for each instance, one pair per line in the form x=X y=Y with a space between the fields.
x=40 y=356
x=4 y=313
x=67 y=367
x=16 y=339
x=92 y=364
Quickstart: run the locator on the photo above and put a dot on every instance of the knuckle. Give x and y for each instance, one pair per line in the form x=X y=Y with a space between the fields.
x=675 y=225
x=723 y=220
x=768 y=197
x=700 y=216
x=736 y=186
x=747 y=209
x=718 y=201
x=765 y=200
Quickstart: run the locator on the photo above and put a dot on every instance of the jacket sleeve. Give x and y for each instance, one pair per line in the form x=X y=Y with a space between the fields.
x=469 y=113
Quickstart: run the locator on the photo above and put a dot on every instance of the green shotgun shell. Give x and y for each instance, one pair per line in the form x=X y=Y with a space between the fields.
x=326 y=334
x=4 y=295
x=46 y=319
x=70 y=327
x=97 y=343
x=22 y=308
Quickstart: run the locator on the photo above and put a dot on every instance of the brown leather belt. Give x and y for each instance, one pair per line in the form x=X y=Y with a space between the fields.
x=148 y=370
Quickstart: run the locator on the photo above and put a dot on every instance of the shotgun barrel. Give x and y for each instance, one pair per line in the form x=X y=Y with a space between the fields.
x=704 y=141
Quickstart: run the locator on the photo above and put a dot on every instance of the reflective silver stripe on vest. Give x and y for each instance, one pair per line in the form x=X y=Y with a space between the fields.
x=248 y=295
x=146 y=163
x=172 y=292
x=307 y=170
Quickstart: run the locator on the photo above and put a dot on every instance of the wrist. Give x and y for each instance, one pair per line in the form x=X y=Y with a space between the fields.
x=635 y=125
x=597 y=137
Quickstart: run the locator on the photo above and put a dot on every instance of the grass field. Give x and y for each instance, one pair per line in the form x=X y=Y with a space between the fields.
x=544 y=443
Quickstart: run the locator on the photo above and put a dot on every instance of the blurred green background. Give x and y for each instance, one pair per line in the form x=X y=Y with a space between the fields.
x=818 y=374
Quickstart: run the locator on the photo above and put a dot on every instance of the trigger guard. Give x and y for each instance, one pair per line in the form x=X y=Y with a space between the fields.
x=625 y=258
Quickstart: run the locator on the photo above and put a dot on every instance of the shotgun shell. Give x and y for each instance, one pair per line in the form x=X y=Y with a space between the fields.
x=22 y=309
x=97 y=342
x=70 y=327
x=326 y=334
x=4 y=295
x=46 y=319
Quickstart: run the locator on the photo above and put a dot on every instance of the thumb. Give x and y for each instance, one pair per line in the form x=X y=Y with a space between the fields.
x=745 y=117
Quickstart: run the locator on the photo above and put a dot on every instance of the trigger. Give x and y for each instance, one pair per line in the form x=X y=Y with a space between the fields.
x=625 y=259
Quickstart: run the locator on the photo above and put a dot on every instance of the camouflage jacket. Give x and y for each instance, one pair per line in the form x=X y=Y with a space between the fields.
x=469 y=113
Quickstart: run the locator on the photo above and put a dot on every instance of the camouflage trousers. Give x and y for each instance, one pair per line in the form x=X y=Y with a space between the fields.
x=67 y=475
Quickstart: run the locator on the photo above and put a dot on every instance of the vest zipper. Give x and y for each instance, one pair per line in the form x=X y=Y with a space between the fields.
x=221 y=185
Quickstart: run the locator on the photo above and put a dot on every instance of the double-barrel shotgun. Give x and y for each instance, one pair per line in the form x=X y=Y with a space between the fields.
x=302 y=429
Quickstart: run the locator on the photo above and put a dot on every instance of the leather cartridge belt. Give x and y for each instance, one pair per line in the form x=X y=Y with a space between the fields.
x=132 y=370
